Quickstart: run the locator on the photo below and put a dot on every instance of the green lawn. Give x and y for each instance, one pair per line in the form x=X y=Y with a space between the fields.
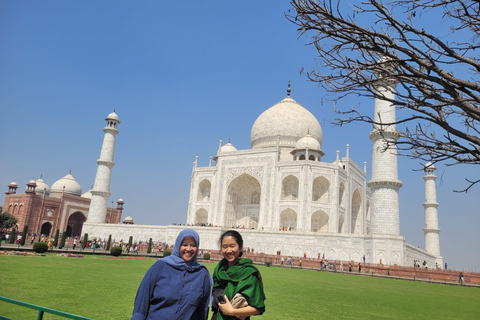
x=105 y=289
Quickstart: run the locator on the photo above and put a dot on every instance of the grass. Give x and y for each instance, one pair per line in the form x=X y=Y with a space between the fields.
x=105 y=289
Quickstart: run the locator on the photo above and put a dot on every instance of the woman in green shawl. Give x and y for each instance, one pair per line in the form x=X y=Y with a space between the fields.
x=232 y=276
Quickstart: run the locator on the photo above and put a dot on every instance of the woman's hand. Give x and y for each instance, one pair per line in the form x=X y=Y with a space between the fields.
x=226 y=308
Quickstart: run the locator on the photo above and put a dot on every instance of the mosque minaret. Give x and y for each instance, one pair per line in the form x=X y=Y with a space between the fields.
x=101 y=188
x=431 y=230
x=385 y=211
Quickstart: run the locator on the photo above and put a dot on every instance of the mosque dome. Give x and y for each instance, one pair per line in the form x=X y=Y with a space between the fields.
x=307 y=142
x=13 y=184
x=128 y=220
x=112 y=116
x=286 y=118
x=228 y=148
x=87 y=194
x=71 y=185
x=42 y=186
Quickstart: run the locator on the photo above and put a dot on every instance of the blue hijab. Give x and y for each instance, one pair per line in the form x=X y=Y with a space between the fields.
x=174 y=259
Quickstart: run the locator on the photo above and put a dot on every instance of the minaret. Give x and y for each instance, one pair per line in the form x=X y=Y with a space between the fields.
x=432 y=237
x=101 y=188
x=384 y=210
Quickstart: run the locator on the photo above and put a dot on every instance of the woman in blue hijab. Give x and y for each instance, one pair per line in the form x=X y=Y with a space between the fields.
x=175 y=287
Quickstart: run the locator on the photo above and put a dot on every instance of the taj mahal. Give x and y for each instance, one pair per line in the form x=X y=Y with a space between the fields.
x=285 y=198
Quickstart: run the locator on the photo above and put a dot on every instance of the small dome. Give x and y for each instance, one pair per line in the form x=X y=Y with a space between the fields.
x=228 y=148
x=128 y=220
x=71 y=186
x=12 y=184
x=112 y=116
x=42 y=186
x=429 y=166
x=87 y=194
x=287 y=119
x=120 y=201
x=32 y=182
x=307 y=142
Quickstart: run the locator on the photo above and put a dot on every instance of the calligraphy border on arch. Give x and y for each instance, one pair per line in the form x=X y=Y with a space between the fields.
x=256 y=172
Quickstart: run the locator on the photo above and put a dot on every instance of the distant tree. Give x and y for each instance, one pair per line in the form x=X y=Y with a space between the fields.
x=62 y=239
x=24 y=235
x=435 y=74
x=109 y=242
x=7 y=220
x=55 y=239
x=130 y=242
x=85 y=240
x=13 y=236
x=149 y=249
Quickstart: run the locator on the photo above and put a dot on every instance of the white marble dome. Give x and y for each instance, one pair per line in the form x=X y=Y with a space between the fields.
x=228 y=148
x=41 y=187
x=308 y=142
x=71 y=185
x=112 y=116
x=87 y=194
x=286 y=118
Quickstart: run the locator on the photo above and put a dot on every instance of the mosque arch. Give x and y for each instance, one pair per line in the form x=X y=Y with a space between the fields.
x=68 y=232
x=46 y=228
x=290 y=188
x=311 y=157
x=204 y=190
x=201 y=217
x=288 y=219
x=76 y=221
x=341 y=195
x=356 y=221
x=319 y=221
x=341 y=221
x=240 y=211
x=321 y=190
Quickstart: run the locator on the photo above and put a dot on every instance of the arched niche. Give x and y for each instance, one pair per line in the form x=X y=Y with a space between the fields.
x=321 y=190
x=319 y=221
x=201 y=216
x=356 y=221
x=288 y=219
x=204 y=190
x=290 y=188
x=240 y=210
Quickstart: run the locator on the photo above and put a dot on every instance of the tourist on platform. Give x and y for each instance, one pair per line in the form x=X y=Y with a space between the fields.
x=237 y=284
x=460 y=278
x=350 y=266
x=74 y=243
x=341 y=266
x=175 y=287
x=282 y=260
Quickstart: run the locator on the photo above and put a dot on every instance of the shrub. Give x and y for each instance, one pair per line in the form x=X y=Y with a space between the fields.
x=206 y=256
x=40 y=247
x=85 y=240
x=55 y=239
x=268 y=263
x=166 y=253
x=62 y=239
x=24 y=235
x=130 y=243
x=116 y=251
x=109 y=242
x=13 y=236
x=149 y=249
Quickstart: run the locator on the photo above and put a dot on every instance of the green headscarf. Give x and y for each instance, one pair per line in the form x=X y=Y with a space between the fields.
x=243 y=278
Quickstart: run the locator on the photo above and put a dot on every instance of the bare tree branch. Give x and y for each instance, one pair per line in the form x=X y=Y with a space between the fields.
x=437 y=72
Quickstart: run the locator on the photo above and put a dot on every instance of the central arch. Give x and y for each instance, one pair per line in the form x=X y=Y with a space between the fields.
x=243 y=202
x=75 y=222
x=356 y=212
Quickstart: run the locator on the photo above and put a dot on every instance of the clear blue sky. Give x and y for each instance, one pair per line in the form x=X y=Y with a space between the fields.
x=181 y=76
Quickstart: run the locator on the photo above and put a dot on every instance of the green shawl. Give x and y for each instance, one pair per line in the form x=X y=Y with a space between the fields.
x=242 y=278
